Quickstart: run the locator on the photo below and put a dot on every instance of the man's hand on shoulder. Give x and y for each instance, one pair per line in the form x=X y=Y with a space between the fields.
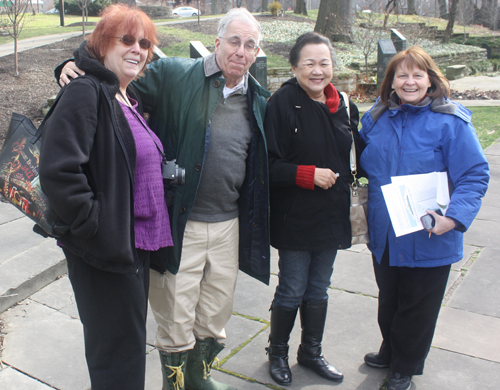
x=68 y=72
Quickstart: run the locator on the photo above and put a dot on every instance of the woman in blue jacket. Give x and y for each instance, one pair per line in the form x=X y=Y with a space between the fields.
x=413 y=128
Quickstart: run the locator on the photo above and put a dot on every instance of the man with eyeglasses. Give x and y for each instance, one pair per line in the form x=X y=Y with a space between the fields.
x=209 y=115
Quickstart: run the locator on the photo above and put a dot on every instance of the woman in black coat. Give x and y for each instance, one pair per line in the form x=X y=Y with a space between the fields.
x=308 y=130
x=100 y=166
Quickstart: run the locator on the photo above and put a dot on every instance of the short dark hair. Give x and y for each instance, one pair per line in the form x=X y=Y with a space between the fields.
x=310 y=38
x=415 y=57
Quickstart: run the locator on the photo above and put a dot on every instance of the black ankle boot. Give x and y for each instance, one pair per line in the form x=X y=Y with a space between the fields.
x=312 y=319
x=281 y=325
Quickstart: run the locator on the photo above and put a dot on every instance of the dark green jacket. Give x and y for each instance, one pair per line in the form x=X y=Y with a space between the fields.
x=181 y=95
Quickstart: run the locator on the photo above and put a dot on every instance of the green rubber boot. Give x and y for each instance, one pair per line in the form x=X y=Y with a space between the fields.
x=199 y=364
x=172 y=368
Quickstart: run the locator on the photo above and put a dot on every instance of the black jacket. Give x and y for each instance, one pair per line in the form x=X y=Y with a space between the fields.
x=87 y=167
x=301 y=131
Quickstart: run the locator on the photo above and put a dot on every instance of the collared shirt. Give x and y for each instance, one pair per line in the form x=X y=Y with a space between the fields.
x=211 y=67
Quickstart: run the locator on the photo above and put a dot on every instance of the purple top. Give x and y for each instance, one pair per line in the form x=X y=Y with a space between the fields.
x=152 y=225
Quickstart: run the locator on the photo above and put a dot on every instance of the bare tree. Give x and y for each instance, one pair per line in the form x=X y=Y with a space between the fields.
x=442 y=8
x=366 y=39
x=61 y=13
x=335 y=17
x=489 y=14
x=16 y=12
x=300 y=7
x=83 y=4
x=130 y=3
x=415 y=33
x=451 y=21
x=465 y=14
x=411 y=8
x=389 y=7
x=264 y=5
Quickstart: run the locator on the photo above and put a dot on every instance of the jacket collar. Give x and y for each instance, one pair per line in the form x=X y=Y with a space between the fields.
x=441 y=105
x=211 y=67
x=90 y=65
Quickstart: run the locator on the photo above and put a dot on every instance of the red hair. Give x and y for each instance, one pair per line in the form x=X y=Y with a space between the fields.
x=116 y=20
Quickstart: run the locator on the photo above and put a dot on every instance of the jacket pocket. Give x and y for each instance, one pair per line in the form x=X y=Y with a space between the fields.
x=435 y=247
x=88 y=227
x=288 y=207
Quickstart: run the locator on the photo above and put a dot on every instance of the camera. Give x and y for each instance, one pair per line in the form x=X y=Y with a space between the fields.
x=172 y=172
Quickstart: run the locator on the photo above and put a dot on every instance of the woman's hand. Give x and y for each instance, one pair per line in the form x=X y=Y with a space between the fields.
x=325 y=178
x=68 y=72
x=443 y=224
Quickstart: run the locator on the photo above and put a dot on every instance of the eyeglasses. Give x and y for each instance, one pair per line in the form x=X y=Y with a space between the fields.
x=235 y=43
x=129 y=40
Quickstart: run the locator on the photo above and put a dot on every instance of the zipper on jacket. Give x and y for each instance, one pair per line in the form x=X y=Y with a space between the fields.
x=403 y=125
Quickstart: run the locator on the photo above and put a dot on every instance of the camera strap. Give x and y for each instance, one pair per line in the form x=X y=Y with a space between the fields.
x=141 y=121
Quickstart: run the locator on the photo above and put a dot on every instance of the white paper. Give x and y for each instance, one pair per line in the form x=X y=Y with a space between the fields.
x=408 y=197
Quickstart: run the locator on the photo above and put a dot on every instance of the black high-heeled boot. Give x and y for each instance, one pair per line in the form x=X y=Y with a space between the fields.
x=312 y=319
x=282 y=322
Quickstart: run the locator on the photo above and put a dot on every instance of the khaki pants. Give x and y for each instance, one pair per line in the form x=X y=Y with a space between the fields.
x=198 y=301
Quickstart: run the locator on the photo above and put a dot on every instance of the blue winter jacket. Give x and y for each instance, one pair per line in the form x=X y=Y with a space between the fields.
x=435 y=136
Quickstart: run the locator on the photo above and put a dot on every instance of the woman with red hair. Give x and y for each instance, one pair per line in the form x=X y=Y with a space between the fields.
x=100 y=167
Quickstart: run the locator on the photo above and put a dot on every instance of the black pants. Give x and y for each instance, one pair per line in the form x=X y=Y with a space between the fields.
x=113 y=310
x=408 y=308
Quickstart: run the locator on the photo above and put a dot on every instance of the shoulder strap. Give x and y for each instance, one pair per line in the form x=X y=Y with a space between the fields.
x=352 y=155
x=346 y=100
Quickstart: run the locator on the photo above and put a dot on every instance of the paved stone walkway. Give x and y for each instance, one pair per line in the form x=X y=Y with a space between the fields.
x=43 y=344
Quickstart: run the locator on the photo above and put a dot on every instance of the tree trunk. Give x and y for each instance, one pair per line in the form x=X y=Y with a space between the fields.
x=451 y=20
x=389 y=7
x=61 y=12
x=335 y=17
x=214 y=7
x=411 y=8
x=264 y=5
x=16 y=64
x=83 y=20
x=442 y=8
x=300 y=7
x=489 y=13
x=130 y=3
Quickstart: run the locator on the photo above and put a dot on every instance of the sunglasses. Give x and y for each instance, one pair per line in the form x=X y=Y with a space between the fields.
x=129 y=40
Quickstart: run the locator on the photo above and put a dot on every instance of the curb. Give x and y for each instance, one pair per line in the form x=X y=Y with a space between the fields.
x=28 y=261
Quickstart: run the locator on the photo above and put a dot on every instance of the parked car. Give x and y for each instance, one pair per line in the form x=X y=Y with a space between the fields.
x=52 y=11
x=185 y=11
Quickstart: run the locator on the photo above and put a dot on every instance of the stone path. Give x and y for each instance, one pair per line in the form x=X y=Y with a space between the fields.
x=43 y=345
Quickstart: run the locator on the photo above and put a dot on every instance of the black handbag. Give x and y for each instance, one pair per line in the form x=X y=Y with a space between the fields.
x=19 y=180
x=358 y=211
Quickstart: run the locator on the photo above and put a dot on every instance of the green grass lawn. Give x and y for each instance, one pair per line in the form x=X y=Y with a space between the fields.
x=181 y=49
x=47 y=24
x=486 y=121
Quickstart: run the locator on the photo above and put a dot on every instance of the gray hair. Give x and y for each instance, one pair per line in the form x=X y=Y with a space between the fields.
x=234 y=14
